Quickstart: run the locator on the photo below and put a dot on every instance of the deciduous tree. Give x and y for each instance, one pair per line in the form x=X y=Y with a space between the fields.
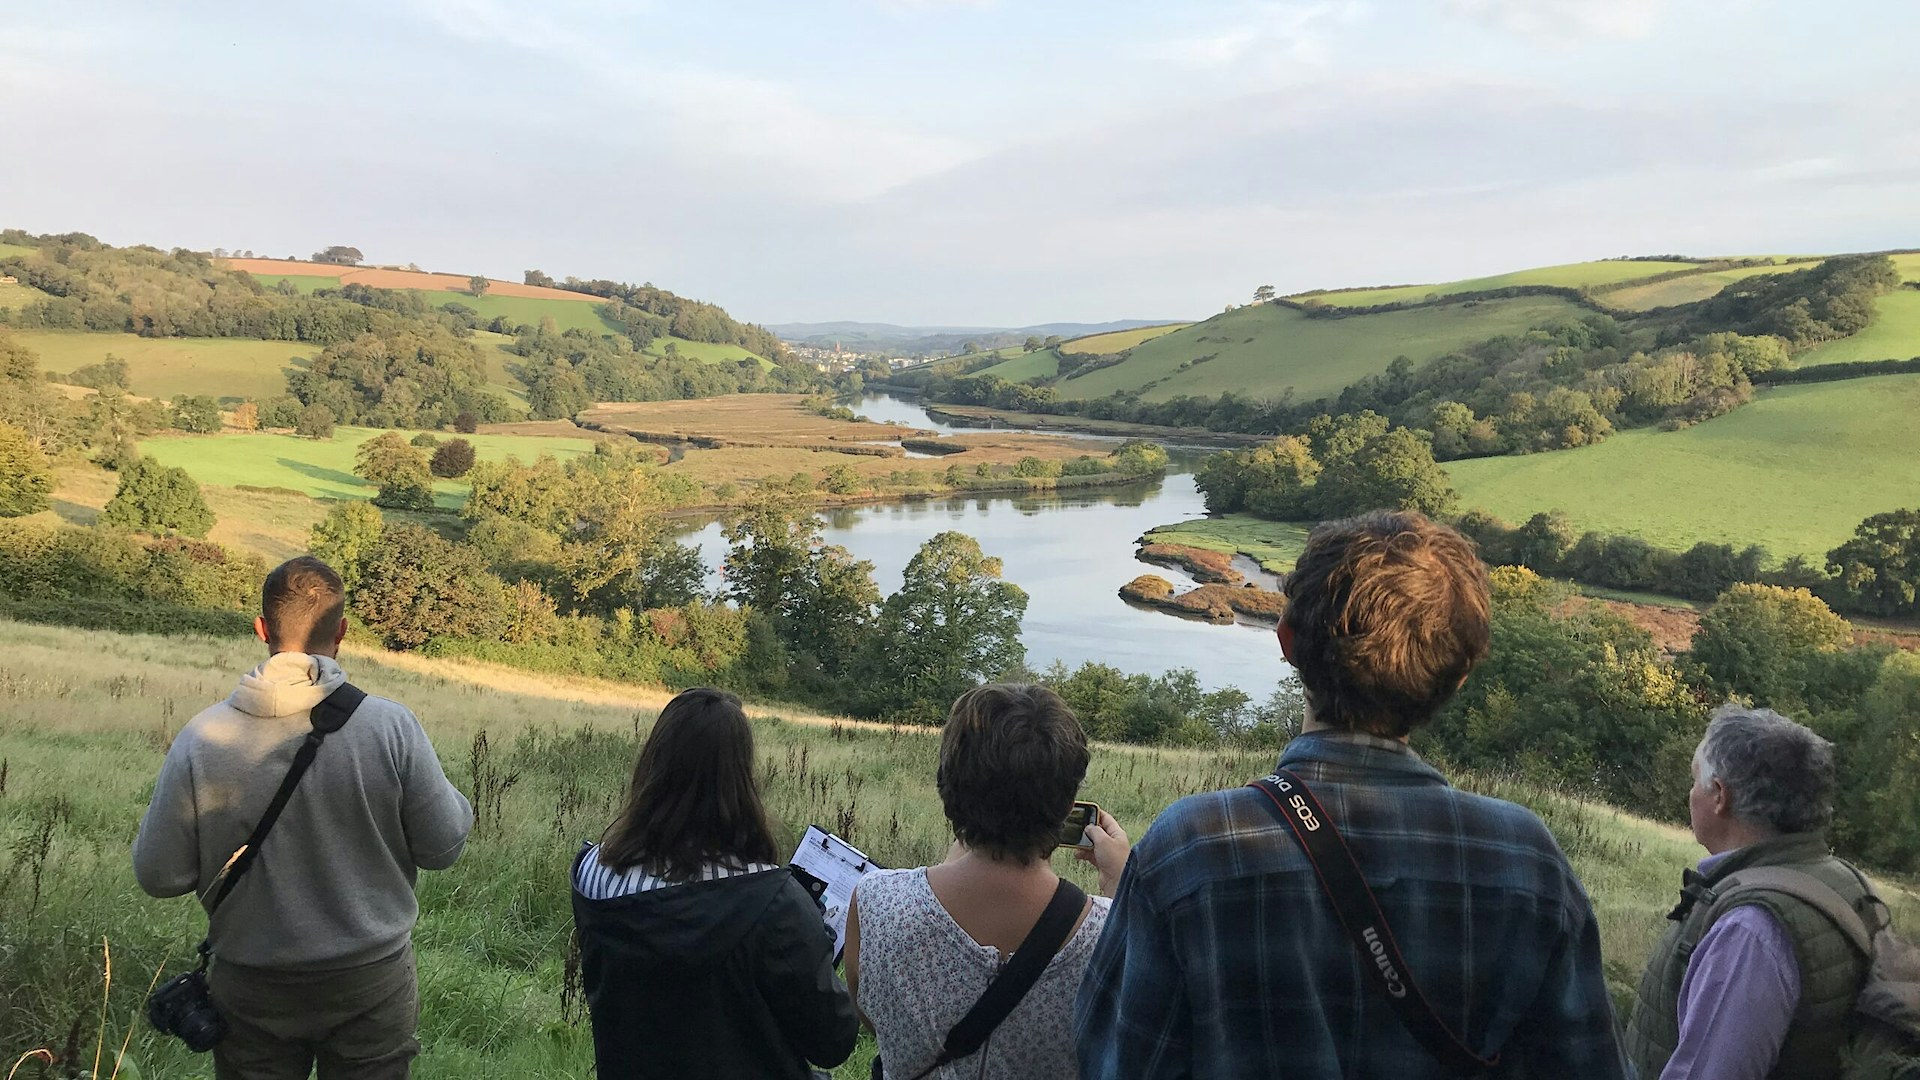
x=159 y=499
x=25 y=480
x=452 y=459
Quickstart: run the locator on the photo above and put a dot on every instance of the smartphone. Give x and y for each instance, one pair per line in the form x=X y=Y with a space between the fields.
x=1073 y=833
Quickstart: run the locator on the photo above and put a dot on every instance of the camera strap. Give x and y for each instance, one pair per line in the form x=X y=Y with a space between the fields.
x=1293 y=802
x=327 y=717
x=1011 y=983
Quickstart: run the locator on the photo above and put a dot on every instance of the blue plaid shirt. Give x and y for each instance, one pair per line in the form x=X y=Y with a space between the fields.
x=1222 y=957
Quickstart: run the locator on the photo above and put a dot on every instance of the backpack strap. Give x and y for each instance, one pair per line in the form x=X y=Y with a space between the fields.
x=1359 y=911
x=1012 y=982
x=1803 y=887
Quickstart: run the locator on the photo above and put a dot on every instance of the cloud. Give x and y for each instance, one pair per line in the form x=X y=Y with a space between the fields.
x=1565 y=19
x=734 y=130
x=1265 y=35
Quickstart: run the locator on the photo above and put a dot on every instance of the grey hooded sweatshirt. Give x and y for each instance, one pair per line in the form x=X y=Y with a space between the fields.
x=332 y=886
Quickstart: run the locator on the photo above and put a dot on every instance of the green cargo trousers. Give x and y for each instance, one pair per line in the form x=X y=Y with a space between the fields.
x=355 y=1023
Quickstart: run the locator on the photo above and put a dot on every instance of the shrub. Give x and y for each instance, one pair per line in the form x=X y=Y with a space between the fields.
x=466 y=423
x=426 y=440
x=155 y=498
x=25 y=481
x=453 y=459
x=315 y=422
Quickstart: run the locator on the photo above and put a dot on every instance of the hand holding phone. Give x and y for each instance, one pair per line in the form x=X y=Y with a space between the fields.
x=1073 y=833
x=1107 y=852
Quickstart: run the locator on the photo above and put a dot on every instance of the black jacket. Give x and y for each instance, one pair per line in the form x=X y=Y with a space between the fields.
x=731 y=978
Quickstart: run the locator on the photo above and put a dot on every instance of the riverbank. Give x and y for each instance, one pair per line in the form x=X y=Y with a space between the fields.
x=980 y=416
x=1214 y=603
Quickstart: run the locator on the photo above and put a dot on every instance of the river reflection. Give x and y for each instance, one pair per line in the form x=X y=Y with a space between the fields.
x=1071 y=553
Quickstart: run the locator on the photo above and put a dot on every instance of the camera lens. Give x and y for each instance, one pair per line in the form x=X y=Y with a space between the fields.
x=202 y=1029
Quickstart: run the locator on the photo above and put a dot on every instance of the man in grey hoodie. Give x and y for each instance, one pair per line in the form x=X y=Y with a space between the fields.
x=313 y=954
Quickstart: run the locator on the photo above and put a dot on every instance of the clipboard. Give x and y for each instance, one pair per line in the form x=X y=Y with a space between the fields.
x=829 y=868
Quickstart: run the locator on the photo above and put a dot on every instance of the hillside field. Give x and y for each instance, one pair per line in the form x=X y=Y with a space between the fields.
x=1689 y=289
x=89 y=716
x=1262 y=349
x=1118 y=340
x=566 y=314
x=1039 y=364
x=323 y=469
x=1794 y=471
x=1570 y=275
x=14 y=251
x=13 y=296
x=231 y=369
x=1894 y=334
x=380 y=277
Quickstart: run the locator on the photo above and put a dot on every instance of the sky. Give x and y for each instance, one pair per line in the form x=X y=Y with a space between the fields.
x=971 y=162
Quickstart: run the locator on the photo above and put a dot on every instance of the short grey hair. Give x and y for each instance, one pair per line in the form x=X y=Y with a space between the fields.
x=1779 y=774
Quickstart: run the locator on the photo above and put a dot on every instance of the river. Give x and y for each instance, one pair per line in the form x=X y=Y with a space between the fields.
x=1071 y=552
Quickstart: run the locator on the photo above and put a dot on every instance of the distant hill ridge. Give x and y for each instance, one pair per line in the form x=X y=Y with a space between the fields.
x=934 y=339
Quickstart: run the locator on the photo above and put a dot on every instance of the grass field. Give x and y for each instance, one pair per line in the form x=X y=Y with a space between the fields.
x=1570 y=275
x=228 y=368
x=1894 y=334
x=1794 y=471
x=1908 y=265
x=89 y=716
x=1262 y=349
x=707 y=352
x=566 y=314
x=1040 y=364
x=13 y=296
x=324 y=469
x=1687 y=290
x=1101 y=344
x=1275 y=545
x=9 y=251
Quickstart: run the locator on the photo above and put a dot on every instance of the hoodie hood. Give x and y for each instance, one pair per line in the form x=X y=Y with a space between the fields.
x=287 y=683
x=683 y=926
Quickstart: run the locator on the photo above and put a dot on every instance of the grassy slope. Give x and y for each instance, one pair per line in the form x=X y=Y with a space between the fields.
x=1894 y=334
x=1794 y=471
x=1101 y=344
x=324 y=470
x=1909 y=266
x=1686 y=290
x=1263 y=349
x=13 y=296
x=1040 y=364
x=1572 y=275
x=9 y=251
x=89 y=715
x=232 y=368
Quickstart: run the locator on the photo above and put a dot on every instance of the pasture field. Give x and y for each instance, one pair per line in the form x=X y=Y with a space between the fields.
x=274 y=524
x=13 y=296
x=12 y=251
x=1689 y=289
x=1894 y=334
x=1262 y=349
x=1794 y=471
x=323 y=469
x=707 y=352
x=1039 y=364
x=566 y=314
x=231 y=369
x=1908 y=265
x=89 y=716
x=270 y=270
x=1570 y=275
x=1275 y=545
x=749 y=419
x=1118 y=340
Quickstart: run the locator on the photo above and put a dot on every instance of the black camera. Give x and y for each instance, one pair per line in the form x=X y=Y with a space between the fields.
x=184 y=1008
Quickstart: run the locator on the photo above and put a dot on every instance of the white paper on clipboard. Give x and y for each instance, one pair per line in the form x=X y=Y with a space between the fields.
x=837 y=866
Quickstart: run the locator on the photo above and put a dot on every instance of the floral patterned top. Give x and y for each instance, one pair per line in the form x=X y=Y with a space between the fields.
x=920 y=973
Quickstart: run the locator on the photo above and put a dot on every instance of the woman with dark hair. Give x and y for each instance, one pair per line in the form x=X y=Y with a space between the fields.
x=701 y=954
x=923 y=945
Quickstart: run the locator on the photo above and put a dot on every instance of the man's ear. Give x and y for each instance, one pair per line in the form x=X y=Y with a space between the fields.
x=260 y=629
x=340 y=632
x=1722 y=799
x=1285 y=634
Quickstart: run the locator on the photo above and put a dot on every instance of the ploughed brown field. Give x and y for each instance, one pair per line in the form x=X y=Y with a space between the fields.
x=374 y=277
x=738 y=420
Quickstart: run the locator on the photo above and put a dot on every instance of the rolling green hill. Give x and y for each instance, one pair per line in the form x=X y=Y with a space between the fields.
x=1101 y=344
x=566 y=314
x=1894 y=334
x=1263 y=349
x=1039 y=364
x=1794 y=471
x=1691 y=288
x=228 y=368
x=1570 y=275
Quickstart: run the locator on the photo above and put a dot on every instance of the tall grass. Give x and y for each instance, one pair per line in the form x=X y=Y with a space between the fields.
x=85 y=718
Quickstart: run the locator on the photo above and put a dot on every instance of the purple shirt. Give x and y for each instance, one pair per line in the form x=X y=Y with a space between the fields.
x=1738 y=998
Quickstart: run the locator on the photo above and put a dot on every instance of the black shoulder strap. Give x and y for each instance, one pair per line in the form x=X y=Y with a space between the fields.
x=1012 y=982
x=1353 y=901
x=329 y=716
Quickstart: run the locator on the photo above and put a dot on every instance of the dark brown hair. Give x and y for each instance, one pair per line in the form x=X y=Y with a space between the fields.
x=1389 y=614
x=693 y=799
x=302 y=603
x=1011 y=760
